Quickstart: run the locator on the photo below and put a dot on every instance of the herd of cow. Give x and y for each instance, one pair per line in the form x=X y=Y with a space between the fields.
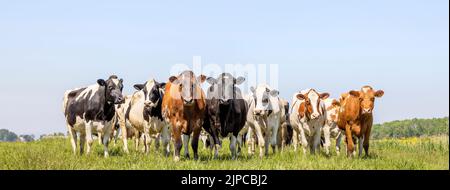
x=179 y=109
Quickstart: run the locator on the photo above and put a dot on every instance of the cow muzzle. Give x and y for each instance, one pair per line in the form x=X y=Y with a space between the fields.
x=120 y=100
x=315 y=116
x=367 y=111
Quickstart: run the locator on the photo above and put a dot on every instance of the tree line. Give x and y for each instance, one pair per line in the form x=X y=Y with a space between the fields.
x=394 y=129
x=411 y=128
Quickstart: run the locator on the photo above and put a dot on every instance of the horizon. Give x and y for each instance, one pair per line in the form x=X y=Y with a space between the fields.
x=49 y=47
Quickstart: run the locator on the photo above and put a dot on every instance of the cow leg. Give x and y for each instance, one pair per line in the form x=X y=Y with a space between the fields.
x=158 y=135
x=283 y=135
x=316 y=139
x=360 y=148
x=165 y=135
x=88 y=136
x=303 y=139
x=123 y=130
x=295 y=139
x=177 y=144
x=185 y=139
x=73 y=138
x=338 y=143
x=99 y=135
x=366 y=142
x=137 y=138
x=326 y=134
x=261 y=140
x=275 y=125
x=250 y=141
x=233 y=147
x=349 y=137
x=82 y=142
x=106 y=137
x=267 y=143
x=194 y=142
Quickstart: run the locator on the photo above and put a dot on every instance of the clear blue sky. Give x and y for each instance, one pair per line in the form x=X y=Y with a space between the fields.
x=399 y=46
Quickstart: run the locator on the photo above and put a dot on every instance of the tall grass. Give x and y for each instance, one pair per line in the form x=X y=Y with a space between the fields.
x=430 y=153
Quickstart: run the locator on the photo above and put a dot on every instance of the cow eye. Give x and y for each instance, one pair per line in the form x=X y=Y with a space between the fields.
x=265 y=101
x=372 y=99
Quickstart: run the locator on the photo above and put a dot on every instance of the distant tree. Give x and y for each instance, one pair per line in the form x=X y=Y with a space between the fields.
x=411 y=128
x=7 y=136
x=27 y=138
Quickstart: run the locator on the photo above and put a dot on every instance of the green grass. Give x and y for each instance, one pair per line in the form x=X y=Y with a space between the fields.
x=398 y=154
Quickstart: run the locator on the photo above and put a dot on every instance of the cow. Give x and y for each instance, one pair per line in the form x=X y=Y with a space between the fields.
x=124 y=125
x=356 y=117
x=184 y=107
x=226 y=110
x=144 y=114
x=285 y=131
x=308 y=116
x=330 y=129
x=91 y=110
x=264 y=116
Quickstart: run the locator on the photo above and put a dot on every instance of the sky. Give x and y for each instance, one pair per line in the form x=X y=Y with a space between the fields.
x=47 y=47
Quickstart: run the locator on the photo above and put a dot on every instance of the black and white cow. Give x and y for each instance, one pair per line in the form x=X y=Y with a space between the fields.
x=91 y=110
x=144 y=113
x=226 y=110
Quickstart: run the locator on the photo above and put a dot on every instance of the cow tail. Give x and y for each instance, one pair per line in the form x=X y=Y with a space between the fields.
x=65 y=100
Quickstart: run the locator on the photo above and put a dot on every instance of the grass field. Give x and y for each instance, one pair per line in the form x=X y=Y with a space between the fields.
x=429 y=153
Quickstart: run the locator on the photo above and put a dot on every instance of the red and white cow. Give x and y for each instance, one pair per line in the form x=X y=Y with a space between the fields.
x=308 y=117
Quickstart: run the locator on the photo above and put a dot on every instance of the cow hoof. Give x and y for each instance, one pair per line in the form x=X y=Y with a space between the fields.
x=187 y=156
x=176 y=159
x=106 y=155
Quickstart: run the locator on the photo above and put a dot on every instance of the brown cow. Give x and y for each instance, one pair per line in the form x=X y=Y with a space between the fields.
x=184 y=107
x=355 y=117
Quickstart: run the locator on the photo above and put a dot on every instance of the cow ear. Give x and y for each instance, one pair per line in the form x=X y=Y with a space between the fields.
x=101 y=82
x=173 y=79
x=211 y=80
x=355 y=93
x=300 y=96
x=239 y=80
x=336 y=103
x=121 y=80
x=274 y=93
x=324 y=96
x=138 y=86
x=201 y=78
x=253 y=89
x=379 y=93
x=162 y=85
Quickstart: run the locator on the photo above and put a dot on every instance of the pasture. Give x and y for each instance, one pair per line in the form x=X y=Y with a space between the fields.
x=427 y=153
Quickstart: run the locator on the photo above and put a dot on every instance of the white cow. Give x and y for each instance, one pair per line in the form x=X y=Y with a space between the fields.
x=307 y=118
x=331 y=129
x=264 y=116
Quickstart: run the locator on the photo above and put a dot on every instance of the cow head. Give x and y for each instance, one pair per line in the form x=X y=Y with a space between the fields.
x=220 y=93
x=367 y=98
x=188 y=86
x=224 y=87
x=113 y=87
x=311 y=106
x=153 y=92
x=263 y=96
x=333 y=108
